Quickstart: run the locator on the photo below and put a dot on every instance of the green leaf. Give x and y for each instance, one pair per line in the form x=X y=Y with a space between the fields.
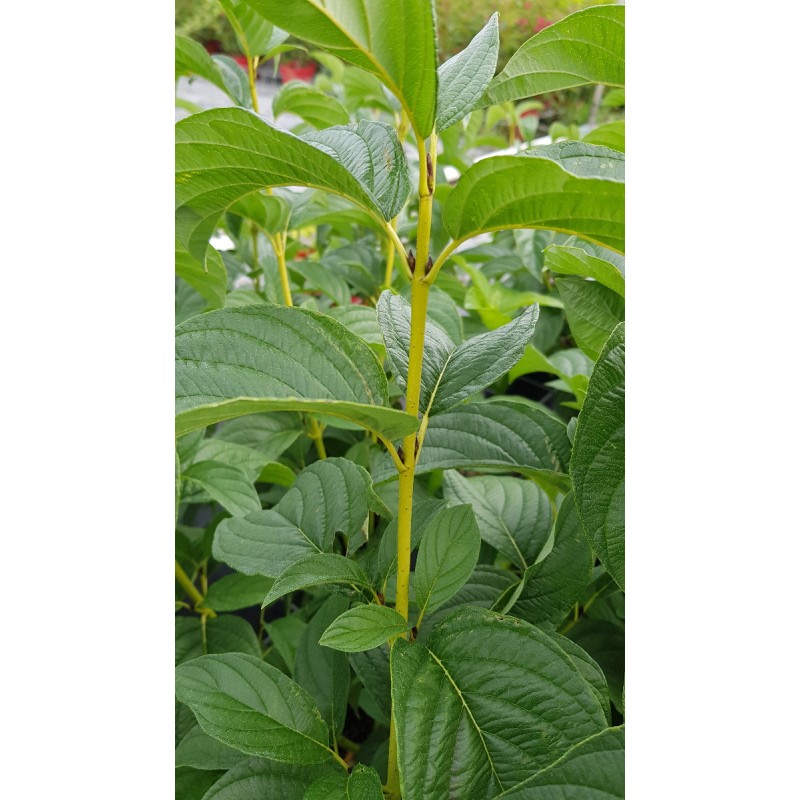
x=238 y=361
x=464 y=77
x=192 y=784
x=270 y=212
x=551 y=587
x=594 y=769
x=285 y=633
x=450 y=373
x=614 y=99
x=269 y=434
x=590 y=670
x=585 y=47
x=228 y=485
x=191 y=58
x=327 y=496
x=610 y=135
x=500 y=436
x=322 y=672
x=211 y=280
x=447 y=555
x=402 y=54
x=224 y=634
x=540 y=190
x=372 y=153
x=256 y=35
x=564 y=260
x=362 y=628
x=514 y=516
x=486 y=584
x=318 y=277
x=201 y=751
x=424 y=512
x=311 y=105
x=224 y=154
x=605 y=643
x=372 y=669
x=496 y=303
x=252 y=706
x=363 y=783
x=258 y=779
x=317 y=570
x=362 y=321
x=273 y=472
x=236 y=591
x=592 y=310
x=598 y=458
x=487 y=702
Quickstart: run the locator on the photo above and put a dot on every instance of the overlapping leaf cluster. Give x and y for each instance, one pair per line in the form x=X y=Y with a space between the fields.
x=299 y=675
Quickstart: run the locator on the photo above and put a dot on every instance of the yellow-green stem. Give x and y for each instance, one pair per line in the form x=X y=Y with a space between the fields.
x=419 y=310
x=316 y=434
x=252 y=64
x=186 y=584
x=279 y=246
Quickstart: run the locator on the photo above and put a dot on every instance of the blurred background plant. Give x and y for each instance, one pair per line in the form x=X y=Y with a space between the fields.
x=460 y=20
x=204 y=21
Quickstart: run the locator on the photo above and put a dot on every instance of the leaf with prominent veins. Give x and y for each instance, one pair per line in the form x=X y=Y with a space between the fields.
x=487 y=702
x=224 y=154
x=584 y=48
x=558 y=187
x=464 y=77
x=450 y=372
x=372 y=153
x=402 y=53
x=191 y=58
x=238 y=361
x=328 y=496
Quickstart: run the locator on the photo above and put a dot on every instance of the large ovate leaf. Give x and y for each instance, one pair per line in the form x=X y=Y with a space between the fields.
x=317 y=570
x=256 y=35
x=553 y=585
x=372 y=669
x=447 y=555
x=327 y=496
x=363 y=628
x=564 y=260
x=322 y=672
x=310 y=104
x=402 y=53
x=192 y=784
x=501 y=436
x=238 y=361
x=224 y=154
x=191 y=58
x=592 y=310
x=487 y=702
x=450 y=372
x=228 y=485
x=598 y=458
x=253 y=707
x=209 y=278
x=514 y=516
x=257 y=779
x=464 y=77
x=372 y=152
x=593 y=769
x=557 y=187
x=584 y=48
x=590 y=670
